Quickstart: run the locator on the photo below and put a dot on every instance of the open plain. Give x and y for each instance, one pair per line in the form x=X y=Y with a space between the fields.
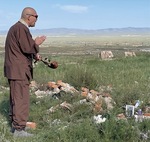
x=81 y=45
x=67 y=116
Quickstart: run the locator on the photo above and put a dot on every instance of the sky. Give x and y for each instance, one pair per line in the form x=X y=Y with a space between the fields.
x=79 y=14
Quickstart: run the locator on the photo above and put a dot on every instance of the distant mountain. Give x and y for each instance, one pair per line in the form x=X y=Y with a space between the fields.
x=76 y=32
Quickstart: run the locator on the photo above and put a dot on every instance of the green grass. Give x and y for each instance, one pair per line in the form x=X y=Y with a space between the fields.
x=129 y=78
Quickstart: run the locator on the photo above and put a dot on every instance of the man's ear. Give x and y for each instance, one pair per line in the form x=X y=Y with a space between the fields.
x=29 y=18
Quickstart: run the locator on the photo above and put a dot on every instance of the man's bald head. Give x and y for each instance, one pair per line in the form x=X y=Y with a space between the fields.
x=30 y=16
x=27 y=11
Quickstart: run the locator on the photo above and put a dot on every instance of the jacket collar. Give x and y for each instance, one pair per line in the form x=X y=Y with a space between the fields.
x=23 y=22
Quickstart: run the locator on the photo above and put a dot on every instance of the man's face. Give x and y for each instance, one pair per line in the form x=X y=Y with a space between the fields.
x=32 y=19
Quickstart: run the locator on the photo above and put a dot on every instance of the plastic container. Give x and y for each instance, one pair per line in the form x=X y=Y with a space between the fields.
x=140 y=115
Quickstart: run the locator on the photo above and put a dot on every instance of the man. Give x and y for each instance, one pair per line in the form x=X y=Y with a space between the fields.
x=20 y=49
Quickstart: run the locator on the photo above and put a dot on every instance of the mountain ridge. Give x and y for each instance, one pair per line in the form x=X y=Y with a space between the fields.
x=76 y=32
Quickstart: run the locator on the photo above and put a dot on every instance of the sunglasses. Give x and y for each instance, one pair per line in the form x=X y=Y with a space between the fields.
x=36 y=16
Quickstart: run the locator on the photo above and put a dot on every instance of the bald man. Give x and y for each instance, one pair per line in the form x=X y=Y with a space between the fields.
x=20 y=50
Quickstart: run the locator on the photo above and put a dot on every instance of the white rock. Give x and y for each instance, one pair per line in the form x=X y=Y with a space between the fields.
x=98 y=119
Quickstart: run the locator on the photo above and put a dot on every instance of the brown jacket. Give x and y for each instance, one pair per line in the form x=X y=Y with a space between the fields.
x=19 y=51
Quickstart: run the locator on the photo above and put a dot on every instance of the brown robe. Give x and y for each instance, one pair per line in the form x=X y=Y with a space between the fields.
x=19 y=51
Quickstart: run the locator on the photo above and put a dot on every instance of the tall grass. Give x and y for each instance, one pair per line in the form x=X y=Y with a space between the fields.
x=129 y=78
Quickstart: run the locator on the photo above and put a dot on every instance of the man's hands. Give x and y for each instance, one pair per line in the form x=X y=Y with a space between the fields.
x=37 y=57
x=53 y=64
x=39 y=40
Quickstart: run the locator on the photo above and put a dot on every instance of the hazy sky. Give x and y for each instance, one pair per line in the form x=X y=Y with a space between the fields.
x=83 y=14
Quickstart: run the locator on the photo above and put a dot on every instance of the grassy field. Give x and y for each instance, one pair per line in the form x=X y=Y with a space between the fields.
x=80 y=66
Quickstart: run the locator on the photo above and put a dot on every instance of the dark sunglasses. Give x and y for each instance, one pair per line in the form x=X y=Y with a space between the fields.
x=36 y=16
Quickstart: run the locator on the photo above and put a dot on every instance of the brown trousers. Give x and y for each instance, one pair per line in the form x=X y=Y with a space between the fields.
x=19 y=103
